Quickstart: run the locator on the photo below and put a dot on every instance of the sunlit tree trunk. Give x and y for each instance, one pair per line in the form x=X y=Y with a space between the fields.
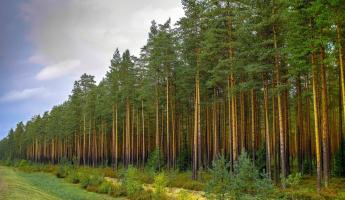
x=316 y=123
x=324 y=109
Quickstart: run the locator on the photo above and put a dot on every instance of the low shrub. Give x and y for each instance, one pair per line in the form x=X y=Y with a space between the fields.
x=292 y=180
x=183 y=180
x=108 y=172
x=91 y=181
x=132 y=183
x=113 y=189
x=118 y=190
x=23 y=163
x=105 y=187
x=301 y=195
x=155 y=161
x=160 y=184
x=62 y=171
x=246 y=181
x=142 y=195
x=74 y=177
x=219 y=185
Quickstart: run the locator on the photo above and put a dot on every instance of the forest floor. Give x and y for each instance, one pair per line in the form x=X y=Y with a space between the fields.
x=18 y=185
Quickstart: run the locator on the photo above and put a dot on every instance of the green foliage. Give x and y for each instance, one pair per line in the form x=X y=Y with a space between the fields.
x=38 y=186
x=131 y=182
x=155 y=161
x=260 y=162
x=219 y=185
x=91 y=181
x=74 y=177
x=183 y=159
x=160 y=183
x=64 y=168
x=184 y=195
x=246 y=181
x=183 y=180
x=62 y=171
x=23 y=163
x=339 y=159
x=292 y=180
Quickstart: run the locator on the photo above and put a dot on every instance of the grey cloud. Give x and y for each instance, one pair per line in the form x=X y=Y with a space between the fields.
x=90 y=30
x=17 y=95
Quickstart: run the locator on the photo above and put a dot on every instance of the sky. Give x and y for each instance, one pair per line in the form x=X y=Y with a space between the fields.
x=47 y=44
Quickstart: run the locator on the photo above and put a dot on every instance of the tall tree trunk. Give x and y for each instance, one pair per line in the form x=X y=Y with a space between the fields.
x=230 y=124
x=116 y=139
x=280 y=108
x=128 y=134
x=113 y=139
x=157 y=118
x=316 y=123
x=341 y=66
x=167 y=125
x=143 y=132
x=324 y=108
x=234 y=120
x=84 y=142
x=267 y=130
x=253 y=107
x=196 y=137
x=299 y=133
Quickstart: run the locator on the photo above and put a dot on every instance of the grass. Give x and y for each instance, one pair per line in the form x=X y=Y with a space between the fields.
x=37 y=181
x=40 y=186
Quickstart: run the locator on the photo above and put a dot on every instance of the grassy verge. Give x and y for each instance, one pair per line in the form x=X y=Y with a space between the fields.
x=77 y=182
x=40 y=186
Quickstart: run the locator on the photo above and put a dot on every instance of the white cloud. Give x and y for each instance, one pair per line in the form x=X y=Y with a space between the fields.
x=17 y=95
x=57 y=70
x=90 y=30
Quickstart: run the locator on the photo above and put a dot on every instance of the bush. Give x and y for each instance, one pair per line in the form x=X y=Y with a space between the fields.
x=160 y=184
x=155 y=161
x=23 y=163
x=246 y=181
x=132 y=183
x=292 y=180
x=74 y=177
x=142 y=195
x=91 y=181
x=218 y=186
x=62 y=171
x=118 y=190
x=183 y=159
x=183 y=180
x=105 y=188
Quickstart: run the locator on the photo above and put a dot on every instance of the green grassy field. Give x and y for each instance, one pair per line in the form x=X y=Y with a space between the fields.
x=17 y=185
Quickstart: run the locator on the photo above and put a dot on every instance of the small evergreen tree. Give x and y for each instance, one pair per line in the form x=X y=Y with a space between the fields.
x=246 y=182
x=183 y=159
x=156 y=161
x=160 y=184
x=131 y=182
x=219 y=185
